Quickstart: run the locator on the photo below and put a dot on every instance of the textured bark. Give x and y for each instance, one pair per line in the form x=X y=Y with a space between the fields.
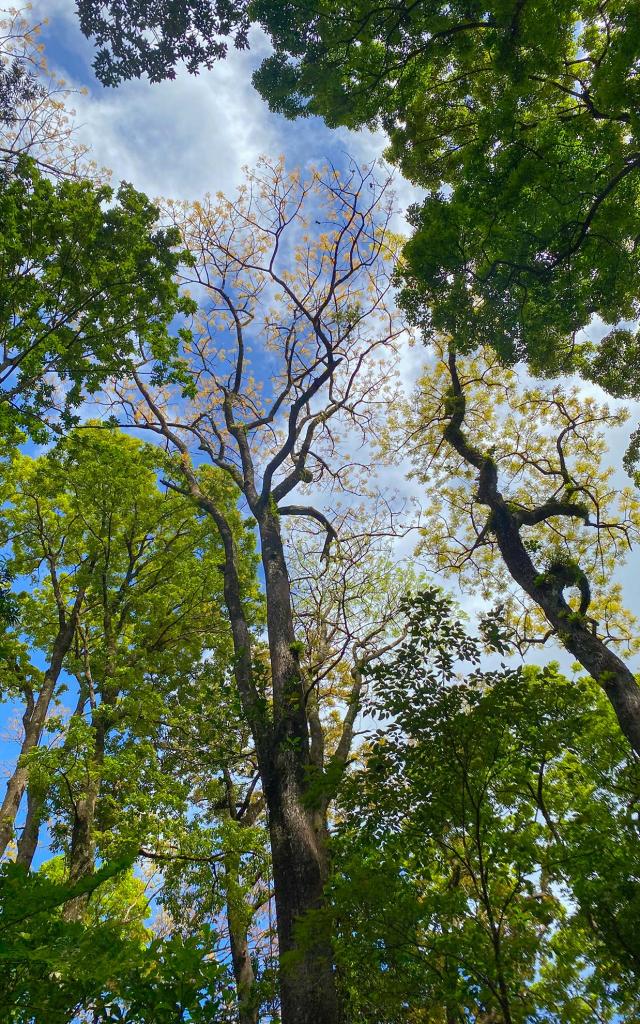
x=83 y=848
x=298 y=834
x=28 y=842
x=307 y=980
x=297 y=831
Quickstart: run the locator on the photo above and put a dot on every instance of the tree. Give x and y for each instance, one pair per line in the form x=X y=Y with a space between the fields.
x=124 y=594
x=320 y=327
x=35 y=119
x=40 y=536
x=149 y=38
x=520 y=494
x=84 y=271
x=345 y=612
x=485 y=800
x=151 y=609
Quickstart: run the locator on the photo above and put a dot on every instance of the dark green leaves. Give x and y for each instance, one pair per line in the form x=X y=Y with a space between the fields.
x=86 y=275
x=521 y=121
x=150 y=38
x=485 y=860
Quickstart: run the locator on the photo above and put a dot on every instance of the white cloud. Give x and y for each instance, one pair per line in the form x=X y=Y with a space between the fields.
x=192 y=135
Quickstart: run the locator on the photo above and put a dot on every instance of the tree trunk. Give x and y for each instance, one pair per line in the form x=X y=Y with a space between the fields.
x=298 y=839
x=28 y=842
x=307 y=980
x=574 y=631
x=239 y=943
x=308 y=990
x=83 y=850
x=33 y=726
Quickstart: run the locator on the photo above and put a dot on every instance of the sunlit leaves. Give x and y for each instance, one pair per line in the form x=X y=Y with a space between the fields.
x=548 y=442
x=86 y=273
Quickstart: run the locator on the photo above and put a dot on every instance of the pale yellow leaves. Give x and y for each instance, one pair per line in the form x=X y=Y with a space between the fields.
x=548 y=442
x=43 y=124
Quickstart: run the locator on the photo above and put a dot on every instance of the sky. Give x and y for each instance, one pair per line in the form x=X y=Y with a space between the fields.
x=183 y=138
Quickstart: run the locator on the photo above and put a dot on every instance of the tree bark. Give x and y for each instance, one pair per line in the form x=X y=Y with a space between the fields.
x=83 y=848
x=307 y=980
x=298 y=838
x=602 y=664
x=298 y=833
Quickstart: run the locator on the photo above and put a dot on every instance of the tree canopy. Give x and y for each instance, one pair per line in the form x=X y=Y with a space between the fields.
x=318 y=634
x=144 y=38
x=85 y=273
x=520 y=120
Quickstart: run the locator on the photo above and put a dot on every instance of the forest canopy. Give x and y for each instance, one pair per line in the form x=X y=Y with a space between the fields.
x=319 y=514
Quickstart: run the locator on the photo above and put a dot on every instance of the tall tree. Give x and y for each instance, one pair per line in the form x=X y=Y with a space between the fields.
x=320 y=328
x=127 y=576
x=345 y=615
x=40 y=536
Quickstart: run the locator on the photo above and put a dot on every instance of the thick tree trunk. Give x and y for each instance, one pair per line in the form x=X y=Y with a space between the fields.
x=308 y=990
x=307 y=979
x=298 y=840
